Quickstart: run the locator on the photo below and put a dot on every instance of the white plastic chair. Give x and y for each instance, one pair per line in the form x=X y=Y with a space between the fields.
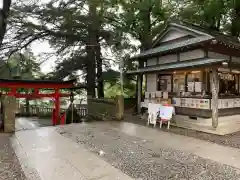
x=149 y=113
x=166 y=118
x=153 y=111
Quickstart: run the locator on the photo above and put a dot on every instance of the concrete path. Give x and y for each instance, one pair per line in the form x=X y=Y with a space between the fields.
x=222 y=154
x=31 y=123
x=46 y=155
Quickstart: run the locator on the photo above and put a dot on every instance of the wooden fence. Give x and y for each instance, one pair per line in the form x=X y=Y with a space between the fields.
x=47 y=111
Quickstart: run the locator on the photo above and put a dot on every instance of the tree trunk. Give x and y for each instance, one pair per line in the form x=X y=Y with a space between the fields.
x=139 y=88
x=3 y=17
x=91 y=54
x=235 y=29
x=139 y=93
x=215 y=90
x=100 y=83
x=146 y=43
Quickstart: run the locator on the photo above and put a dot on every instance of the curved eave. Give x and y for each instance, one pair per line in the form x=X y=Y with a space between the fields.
x=172 y=47
x=180 y=65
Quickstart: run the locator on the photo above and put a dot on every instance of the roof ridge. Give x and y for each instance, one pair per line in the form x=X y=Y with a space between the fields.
x=205 y=29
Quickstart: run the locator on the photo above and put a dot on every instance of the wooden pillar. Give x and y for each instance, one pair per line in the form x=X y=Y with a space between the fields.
x=36 y=91
x=204 y=81
x=139 y=93
x=57 y=106
x=215 y=90
x=72 y=108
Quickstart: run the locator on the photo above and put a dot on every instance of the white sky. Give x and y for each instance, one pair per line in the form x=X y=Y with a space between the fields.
x=1 y=4
x=39 y=48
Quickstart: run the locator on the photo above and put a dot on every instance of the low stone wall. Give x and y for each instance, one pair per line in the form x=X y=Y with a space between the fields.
x=106 y=109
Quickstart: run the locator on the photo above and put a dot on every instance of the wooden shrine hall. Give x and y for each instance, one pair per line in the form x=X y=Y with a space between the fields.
x=12 y=88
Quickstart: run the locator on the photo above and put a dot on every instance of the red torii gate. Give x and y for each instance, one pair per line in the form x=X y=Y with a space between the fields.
x=14 y=84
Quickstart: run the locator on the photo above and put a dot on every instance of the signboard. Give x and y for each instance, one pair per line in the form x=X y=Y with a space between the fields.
x=176 y=102
x=166 y=112
x=198 y=86
x=192 y=103
x=190 y=86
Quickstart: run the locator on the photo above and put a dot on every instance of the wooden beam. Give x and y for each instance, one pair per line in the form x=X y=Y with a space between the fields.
x=215 y=90
x=36 y=96
x=57 y=106
x=34 y=85
x=139 y=94
x=219 y=48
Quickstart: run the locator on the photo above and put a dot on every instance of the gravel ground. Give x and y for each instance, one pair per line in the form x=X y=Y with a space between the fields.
x=10 y=168
x=141 y=159
x=231 y=140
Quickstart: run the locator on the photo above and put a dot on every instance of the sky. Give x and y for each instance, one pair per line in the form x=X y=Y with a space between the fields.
x=39 y=48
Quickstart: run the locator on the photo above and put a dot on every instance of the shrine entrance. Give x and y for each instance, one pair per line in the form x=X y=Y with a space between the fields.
x=12 y=91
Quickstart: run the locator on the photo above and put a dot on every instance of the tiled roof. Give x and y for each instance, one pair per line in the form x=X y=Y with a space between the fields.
x=168 y=47
x=178 y=65
x=215 y=33
x=205 y=34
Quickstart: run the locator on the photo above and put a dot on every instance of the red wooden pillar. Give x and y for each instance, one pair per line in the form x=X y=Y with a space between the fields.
x=57 y=106
x=36 y=91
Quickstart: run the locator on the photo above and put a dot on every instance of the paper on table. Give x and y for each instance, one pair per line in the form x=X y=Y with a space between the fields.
x=153 y=94
x=146 y=95
x=165 y=95
x=159 y=94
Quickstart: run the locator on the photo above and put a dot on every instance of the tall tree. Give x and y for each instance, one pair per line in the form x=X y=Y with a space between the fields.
x=219 y=15
x=76 y=29
x=142 y=20
x=235 y=19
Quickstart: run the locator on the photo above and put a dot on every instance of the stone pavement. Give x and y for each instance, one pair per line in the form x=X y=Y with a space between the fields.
x=46 y=155
x=23 y=123
x=146 y=153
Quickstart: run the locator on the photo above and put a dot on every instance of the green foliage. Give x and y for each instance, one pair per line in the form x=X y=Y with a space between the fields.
x=220 y=15
x=21 y=66
x=82 y=32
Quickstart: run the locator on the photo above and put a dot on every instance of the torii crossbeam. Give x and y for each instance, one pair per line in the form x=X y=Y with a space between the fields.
x=14 y=85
